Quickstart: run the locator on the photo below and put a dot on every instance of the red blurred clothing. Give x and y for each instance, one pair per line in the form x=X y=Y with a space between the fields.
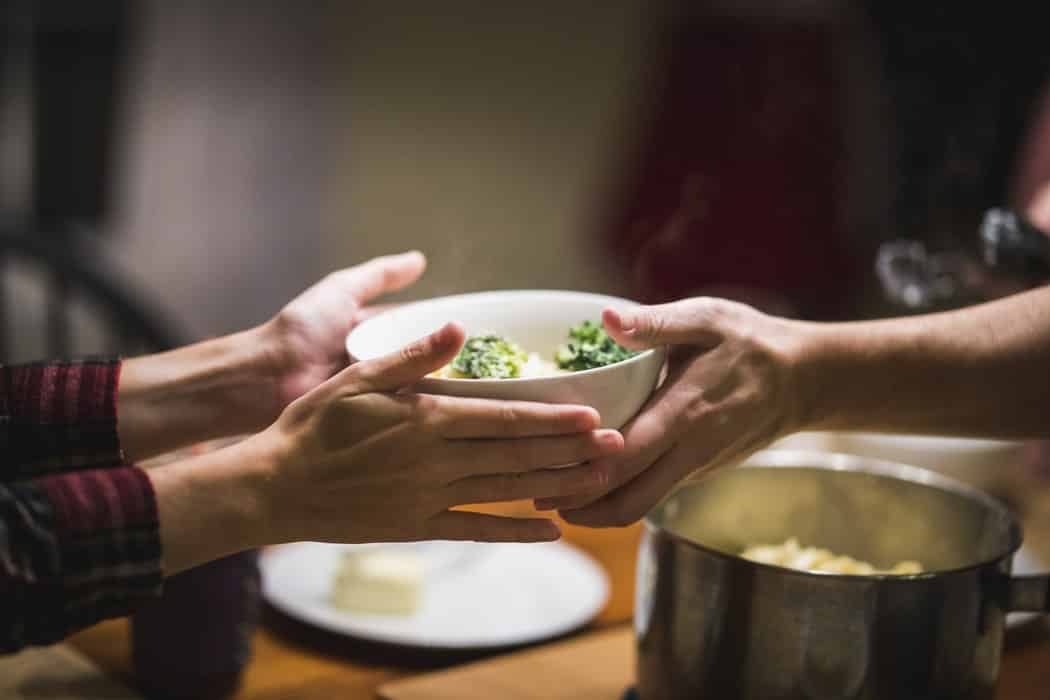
x=740 y=174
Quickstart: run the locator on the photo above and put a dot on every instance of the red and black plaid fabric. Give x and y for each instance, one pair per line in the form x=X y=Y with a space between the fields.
x=79 y=538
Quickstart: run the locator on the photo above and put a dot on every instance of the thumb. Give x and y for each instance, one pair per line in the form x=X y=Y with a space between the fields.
x=406 y=366
x=381 y=275
x=686 y=322
x=1039 y=209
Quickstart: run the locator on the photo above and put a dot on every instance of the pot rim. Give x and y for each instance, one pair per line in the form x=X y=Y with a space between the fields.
x=834 y=461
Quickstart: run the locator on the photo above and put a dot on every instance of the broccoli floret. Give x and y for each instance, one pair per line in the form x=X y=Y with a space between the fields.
x=490 y=357
x=590 y=346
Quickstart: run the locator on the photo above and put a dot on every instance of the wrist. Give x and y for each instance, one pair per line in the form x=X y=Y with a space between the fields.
x=271 y=365
x=840 y=376
x=803 y=351
x=213 y=389
x=256 y=482
x=210 y=506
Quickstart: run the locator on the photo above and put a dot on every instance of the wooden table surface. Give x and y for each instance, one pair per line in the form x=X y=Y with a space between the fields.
x=293 y=662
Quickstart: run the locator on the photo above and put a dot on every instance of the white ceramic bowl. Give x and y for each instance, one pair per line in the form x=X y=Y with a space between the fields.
x=539 y=321
x=978 y=462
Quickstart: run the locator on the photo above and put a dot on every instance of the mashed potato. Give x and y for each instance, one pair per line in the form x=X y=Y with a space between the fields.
x=793 y=556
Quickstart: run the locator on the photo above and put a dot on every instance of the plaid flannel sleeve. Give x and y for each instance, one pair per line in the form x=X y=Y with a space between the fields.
x=55 y=417
x=79 y=537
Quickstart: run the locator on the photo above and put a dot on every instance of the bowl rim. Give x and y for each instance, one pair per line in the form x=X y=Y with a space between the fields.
x=808 y=460
x=639 y=358
x=958 y=443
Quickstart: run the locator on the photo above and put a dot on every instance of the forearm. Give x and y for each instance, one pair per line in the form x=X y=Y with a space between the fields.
x=217 y=388
x=211 y=506
x=984 y=370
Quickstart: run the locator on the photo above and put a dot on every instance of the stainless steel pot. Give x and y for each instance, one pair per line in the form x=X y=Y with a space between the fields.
x=710 y=624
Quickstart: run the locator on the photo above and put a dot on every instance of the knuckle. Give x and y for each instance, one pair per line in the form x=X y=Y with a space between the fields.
x=707 y=312
x=654 y=325
x=357 y=377
x=694 y=410
x=425 y=412
x=414 y=351
x=645 y=323
x=509 y=416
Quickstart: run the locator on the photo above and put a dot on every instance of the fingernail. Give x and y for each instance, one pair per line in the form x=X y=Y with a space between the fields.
x=440 y=336
x=610 y=438
x=590 y=417
x=446 y=334
x=553 y=531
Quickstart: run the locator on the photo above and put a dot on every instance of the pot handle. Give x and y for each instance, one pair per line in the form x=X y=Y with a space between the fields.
x=1028 y=594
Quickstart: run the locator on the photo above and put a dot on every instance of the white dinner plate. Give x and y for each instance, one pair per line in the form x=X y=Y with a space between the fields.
x=1026 y=563
x=475 y=595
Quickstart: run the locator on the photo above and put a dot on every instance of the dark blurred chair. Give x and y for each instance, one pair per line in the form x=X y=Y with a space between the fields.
x=58 y=300
x=62 y=65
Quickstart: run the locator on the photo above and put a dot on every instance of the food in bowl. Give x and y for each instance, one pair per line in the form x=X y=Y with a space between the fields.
x=492 y=356
x=815 y=559
x=537 y=320
x=590 y=347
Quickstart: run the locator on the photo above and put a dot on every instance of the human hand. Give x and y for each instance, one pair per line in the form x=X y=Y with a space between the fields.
x=726 y=395
x=307 y=336
x=1038 y=209
x=361 y=459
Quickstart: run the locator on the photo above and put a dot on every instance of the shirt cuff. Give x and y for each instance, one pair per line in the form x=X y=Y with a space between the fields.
x=108 y=547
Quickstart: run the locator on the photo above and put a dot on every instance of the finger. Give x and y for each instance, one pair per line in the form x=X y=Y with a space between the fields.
x=482 y=527
x=647 y=437
x=458 y=418
x=618 y=474
x=381 y=275
x=583 y=498
x=1039 y=210
x=485 y=457
x=515 y=487
x=633 y=500
x=406 y=366
x=690 y=321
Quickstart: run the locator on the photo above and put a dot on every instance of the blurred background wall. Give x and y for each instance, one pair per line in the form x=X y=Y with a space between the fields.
x=219 y=157
x=267 y=143
x=229 y=124
x=485 y=134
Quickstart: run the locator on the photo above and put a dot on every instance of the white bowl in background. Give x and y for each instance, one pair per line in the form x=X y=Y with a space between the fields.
x=539 y=321
x=979 y=462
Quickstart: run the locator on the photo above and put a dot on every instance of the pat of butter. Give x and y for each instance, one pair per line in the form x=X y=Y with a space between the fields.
x=378 y=581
